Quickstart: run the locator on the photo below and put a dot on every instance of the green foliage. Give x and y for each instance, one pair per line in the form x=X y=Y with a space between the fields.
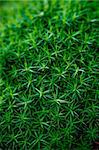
x=49 y=75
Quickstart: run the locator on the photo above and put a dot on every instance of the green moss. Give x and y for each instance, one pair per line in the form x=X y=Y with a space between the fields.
x=49 y=75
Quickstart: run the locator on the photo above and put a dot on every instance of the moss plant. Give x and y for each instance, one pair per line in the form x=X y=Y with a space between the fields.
x=49 y=75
